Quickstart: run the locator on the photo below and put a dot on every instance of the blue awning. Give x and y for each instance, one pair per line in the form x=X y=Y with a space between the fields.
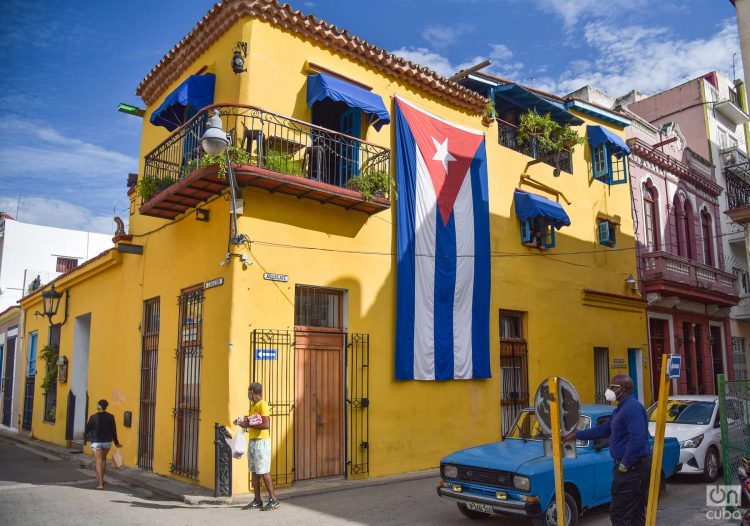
x=185 y=101
x=528 y=100
x=529 y=206
x=321 y=86
x=599 y=135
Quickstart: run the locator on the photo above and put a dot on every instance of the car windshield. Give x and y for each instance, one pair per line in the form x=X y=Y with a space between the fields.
x=526 y=427
x=685 y=412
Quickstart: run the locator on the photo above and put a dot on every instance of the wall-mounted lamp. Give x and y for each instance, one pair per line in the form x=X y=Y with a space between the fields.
x=238 y=59
x=51 y=303
x=631 y=282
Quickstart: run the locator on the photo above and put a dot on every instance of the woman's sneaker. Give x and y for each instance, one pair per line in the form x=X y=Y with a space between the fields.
x=271 y=505
x=254 y=505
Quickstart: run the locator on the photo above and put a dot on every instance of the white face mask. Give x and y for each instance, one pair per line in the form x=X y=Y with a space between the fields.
x=610 y=395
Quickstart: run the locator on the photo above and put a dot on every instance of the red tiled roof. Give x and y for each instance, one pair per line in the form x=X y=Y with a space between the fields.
x=223 y=15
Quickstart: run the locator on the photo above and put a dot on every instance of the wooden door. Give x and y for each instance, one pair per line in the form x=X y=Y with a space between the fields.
x=658 y=348
x=319 y=405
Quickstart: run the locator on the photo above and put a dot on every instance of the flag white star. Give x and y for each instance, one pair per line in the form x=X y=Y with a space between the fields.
x=442 y=154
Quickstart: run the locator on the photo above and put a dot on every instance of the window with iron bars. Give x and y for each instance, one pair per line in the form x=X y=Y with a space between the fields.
x=317 y=307
x=514 y=381
x=740 y=358
x=66 y=264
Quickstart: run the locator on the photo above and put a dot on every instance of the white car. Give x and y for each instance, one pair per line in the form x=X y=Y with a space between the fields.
x=694 y=421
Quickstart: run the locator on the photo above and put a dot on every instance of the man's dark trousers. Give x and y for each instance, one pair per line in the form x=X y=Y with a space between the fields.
x=630 y=494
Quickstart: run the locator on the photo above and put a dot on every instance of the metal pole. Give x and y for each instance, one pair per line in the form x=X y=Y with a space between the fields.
x=661 y=423
x=554 y=410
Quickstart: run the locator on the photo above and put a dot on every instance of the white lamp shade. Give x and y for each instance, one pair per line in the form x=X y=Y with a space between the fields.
x=214 y=140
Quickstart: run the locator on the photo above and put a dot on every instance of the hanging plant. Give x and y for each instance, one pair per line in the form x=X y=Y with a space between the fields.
x=50 y=354
x=547 y=135
x=236 y=156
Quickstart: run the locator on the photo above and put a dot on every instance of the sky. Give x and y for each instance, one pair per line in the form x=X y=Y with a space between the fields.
x=66 y=151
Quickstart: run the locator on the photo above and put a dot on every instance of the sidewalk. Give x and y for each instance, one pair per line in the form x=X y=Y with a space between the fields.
x=171 y=489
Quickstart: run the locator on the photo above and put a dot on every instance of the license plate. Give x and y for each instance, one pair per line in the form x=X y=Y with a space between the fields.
x=484 y=508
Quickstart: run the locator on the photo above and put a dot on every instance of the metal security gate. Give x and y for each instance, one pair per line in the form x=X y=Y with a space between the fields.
x=734 y=410
x=10 y=353
x=149 y=360
x=187 y=389
x=272 y=365
x=514 y=381
x=601 y=374
x=357 y=405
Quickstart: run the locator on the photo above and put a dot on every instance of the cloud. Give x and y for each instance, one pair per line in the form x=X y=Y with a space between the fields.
x=648 y=59
x=41 y=161
x=573 y=11
x=500 y=55
x=57 y=213
x=442 y=36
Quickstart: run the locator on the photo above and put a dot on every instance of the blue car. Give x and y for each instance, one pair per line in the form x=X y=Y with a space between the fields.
x=513 y=477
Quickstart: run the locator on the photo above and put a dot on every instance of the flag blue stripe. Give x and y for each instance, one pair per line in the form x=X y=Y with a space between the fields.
x=480 y=317
x=406 y=177
x=445 y=288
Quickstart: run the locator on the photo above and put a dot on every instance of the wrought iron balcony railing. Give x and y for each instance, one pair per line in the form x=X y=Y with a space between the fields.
x=736 y=164
x=508 y=137
x=269 y=142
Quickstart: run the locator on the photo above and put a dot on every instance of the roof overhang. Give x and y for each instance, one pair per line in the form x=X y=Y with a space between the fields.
x=597 y=112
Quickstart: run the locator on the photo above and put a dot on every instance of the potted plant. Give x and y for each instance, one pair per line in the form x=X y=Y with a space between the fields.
x=371 y=183
x=150 y=185
x=545 y=137
x=489 y=112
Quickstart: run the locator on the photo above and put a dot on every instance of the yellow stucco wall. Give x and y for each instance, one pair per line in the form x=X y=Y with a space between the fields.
x=411 y=424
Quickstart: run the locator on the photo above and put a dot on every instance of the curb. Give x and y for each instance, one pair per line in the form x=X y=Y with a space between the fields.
x=195 y=495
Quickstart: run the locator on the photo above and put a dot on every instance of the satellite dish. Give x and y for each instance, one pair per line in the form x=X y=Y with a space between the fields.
x=569 y=403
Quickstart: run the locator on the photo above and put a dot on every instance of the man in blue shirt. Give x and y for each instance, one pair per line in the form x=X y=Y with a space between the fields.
x=629 y=446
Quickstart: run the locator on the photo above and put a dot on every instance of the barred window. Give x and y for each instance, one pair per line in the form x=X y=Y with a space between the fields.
x=66 y=264
x=740 y=358
x=317 y=307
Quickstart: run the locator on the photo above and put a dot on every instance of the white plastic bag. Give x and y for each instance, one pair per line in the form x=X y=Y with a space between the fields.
x=117 y=459
x=238 y=443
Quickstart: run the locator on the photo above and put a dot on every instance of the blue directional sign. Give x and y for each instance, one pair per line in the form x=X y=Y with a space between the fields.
x=266 y=354
x=673 y=365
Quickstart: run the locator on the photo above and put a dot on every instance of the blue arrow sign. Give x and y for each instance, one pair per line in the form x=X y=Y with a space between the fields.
x=673 y=366
x=266 y=354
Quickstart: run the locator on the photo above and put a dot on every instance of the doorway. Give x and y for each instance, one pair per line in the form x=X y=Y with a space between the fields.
x=7 y=363
x=658 y=348
x=320 y=344
x=79 y=378
x=717 y=353
x=635 y=370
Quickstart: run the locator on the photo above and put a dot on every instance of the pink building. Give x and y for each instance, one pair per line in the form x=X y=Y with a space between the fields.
x=676 y=205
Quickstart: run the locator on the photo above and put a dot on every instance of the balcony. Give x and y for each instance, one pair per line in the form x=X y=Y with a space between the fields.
x=731 y=108
x=508 y=137
x=268 y=151
x=673 y=275
x=736 y=166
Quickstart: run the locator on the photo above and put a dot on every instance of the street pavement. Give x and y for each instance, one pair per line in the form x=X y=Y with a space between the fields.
x=41 y=488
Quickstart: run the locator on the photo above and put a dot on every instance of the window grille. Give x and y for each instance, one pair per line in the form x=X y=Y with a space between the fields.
x=149 y=360
x=601 y=374
x=740 y=358
x=66 y=264
x=317 y=307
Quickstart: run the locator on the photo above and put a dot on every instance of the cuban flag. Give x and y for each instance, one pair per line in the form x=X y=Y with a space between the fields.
x=443 y=238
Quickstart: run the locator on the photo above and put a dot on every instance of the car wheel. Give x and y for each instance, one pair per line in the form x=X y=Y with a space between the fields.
x=711 y=465
x=549 y=517
x=471 y=513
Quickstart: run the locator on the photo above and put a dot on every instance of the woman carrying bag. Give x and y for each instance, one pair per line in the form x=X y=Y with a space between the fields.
x=101 y=431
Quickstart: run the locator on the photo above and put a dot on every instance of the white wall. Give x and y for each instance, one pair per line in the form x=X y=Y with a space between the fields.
x=27 y=250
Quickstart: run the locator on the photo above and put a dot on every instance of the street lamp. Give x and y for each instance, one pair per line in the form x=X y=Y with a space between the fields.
x=51 y=303
x=216 y=141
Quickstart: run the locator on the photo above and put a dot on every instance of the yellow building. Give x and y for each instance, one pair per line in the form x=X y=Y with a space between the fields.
x=172 y=324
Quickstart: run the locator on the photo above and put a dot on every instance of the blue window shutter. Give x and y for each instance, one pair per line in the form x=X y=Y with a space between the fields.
x=603 y=232
x=550 y=237
x=526 y=231
x=599 y=163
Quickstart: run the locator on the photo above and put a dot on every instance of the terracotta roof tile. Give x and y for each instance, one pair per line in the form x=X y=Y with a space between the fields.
x=223 y=15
